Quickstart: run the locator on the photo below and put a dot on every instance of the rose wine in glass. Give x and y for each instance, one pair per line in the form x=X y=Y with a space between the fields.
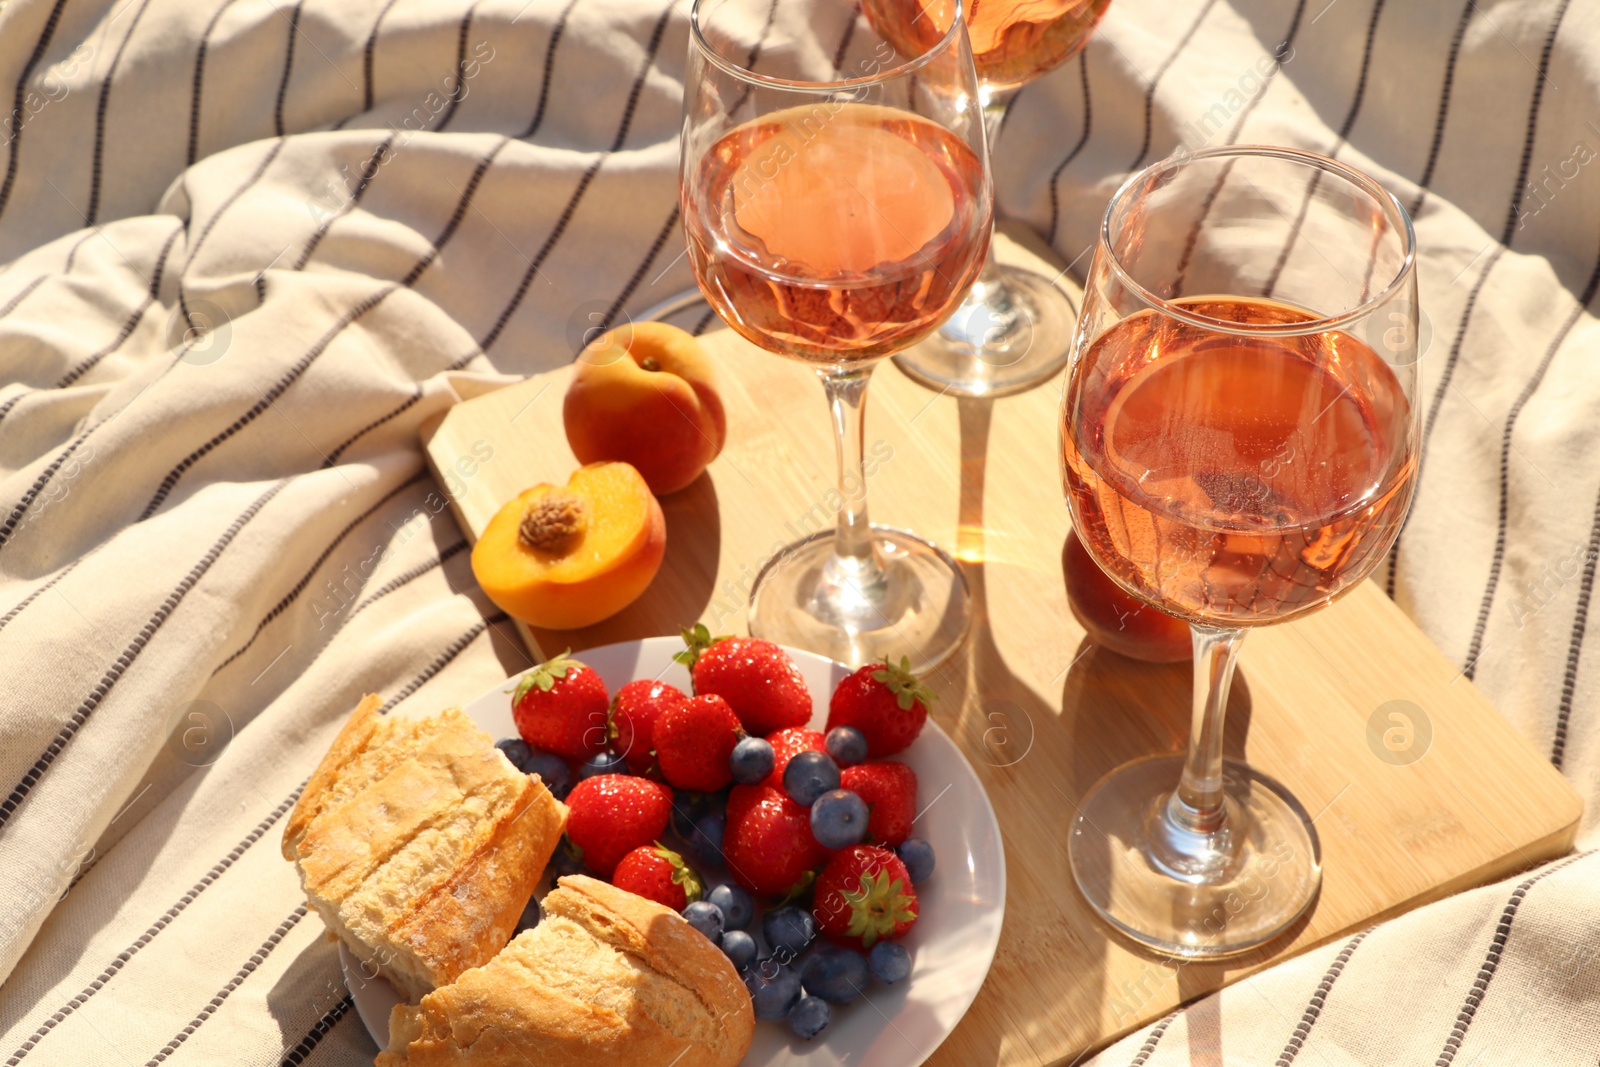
x=837 y=206
x=1239 y=444
x=1014 y=328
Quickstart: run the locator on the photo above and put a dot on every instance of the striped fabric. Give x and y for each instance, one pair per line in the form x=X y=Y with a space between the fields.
x=247 y=247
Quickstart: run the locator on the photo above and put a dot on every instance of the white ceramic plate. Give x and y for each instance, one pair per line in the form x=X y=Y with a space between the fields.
x=961 y=906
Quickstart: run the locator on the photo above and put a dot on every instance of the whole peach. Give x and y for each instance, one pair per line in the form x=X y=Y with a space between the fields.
x=643 y=394
x=1115 y=619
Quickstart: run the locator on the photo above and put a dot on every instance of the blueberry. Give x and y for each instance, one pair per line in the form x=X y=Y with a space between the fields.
x=751 y=761
x=738 y=908
x=847 y=745
x=808 y=776
x=740 y=948
x=889 y=962
x=552 y=770
x=808 y=1017
x=773 y=989
x=604 y=763
x=839 y=819
x=704 y=842
x=917 y=855
x=707 y=918
x=837 y=975
x=788 y=930
x=689 y=807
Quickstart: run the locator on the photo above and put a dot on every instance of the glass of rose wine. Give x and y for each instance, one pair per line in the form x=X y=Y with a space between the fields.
x=1014 y=329
x=837 y=207
x=1239 y=438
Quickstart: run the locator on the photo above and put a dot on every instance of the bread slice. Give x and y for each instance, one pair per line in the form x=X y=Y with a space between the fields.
x=420 y=844
x=607 y=979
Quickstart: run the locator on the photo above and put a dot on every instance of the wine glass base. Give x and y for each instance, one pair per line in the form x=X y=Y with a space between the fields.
x=1244 y=900
x=1005 y=340
x=805 y=597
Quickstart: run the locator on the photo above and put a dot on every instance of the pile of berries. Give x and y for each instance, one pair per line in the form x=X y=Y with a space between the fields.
x=815 y=827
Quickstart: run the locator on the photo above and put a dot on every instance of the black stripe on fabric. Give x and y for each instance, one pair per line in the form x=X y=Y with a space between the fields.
x=199 y=82
x=1151 y=1040
x=133 y=319
x=268 y=398
x=705 y=322
x=1491 y=961
x=462 y=361
x=122 y=958
x=369 y=59
x=459 y=93
x=405 y=578
x=583 y=183
x=21 y=605
x=549 y=66
x=1444 y=106
x=1319 y=999
x=299 y=587
x=333 y=457
x=638 y=275
x=140 y=641
x=205 y=231
x=257 y=958
x=369 y=170
x=319 y=1030
x=1515 y=211
x=1083 y=139
x=288 y=802
x=288 y=68
x=95 y=171
x=1155 y=80
x=1475 y=649
x=5 y=409
x=844 y=42
x=22 y=294
x=1580 y=624
x=456 y=217
x=454 y=649
x=19 y=99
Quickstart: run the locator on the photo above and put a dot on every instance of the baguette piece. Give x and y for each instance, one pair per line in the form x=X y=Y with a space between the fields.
x=607 y=979
x=419 y=844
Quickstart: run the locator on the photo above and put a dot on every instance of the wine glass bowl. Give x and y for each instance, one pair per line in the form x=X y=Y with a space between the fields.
x=837 y=206
x=1239 y=444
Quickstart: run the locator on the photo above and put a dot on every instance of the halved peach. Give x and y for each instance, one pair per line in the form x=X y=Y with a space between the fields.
x=564 y=557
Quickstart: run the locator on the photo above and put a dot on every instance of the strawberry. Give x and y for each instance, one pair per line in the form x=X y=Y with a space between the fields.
x=634 y=712
x=757 y=679
x=890 y=790
x=768 y=843
x=657 y=873
x=886 y=703
x=864 y=896
x=560 y=707
x=786 y=744
x=610 y=815
x=693 y=742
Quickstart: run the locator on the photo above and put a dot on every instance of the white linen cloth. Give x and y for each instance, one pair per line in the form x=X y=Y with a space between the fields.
x=360 y=204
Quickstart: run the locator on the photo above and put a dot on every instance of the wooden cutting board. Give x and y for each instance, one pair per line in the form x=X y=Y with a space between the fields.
x=1042 y=713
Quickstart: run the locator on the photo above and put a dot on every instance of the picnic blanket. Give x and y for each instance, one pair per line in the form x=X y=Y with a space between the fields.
x=247 y=247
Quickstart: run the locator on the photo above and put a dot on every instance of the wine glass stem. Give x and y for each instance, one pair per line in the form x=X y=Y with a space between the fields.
x=989 y=289
x=1197 y=806
x=855 y=559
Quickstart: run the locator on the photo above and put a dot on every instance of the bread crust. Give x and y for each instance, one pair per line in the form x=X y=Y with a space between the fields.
x=351 y=741
x=504 y=1015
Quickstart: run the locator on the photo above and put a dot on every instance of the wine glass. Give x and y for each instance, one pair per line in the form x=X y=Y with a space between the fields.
x=1239 y=434
x=837 y=205
x=1014 y=328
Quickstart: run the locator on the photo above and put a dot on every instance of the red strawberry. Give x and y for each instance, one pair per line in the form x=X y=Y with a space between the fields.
x=767 y=842
x=634 y=712
x=610 y=815
x=693 y=742
x=886 y=703
x=786 y=744
x=757 y=679
x=864 y=896
x=560 y=707
x=657 y=873
x=890 y=791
